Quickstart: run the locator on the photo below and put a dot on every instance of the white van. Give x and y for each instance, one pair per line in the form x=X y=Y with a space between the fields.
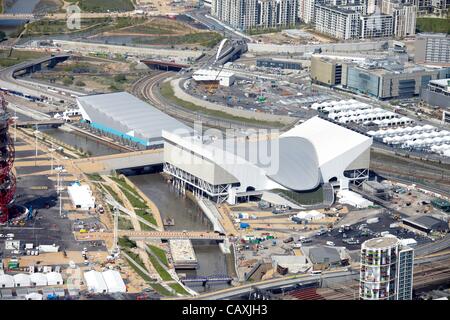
x=330 y=243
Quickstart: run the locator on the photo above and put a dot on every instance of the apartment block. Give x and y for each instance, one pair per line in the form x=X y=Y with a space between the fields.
x=432 y=48
x=249 y=14
x=337 y=22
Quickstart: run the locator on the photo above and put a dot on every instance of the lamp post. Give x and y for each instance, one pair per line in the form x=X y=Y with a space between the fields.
x=52 y=149
x=36 y=132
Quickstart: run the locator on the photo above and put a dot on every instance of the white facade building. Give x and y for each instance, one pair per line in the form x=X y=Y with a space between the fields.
x=224 y=78
x=310 y=154
x=337 y=22
x=248 y=14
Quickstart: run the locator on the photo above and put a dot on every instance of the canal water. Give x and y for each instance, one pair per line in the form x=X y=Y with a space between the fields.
x=187 y=216
x=93 y=147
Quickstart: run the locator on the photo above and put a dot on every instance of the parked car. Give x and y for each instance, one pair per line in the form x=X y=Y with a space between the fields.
x=330 y=243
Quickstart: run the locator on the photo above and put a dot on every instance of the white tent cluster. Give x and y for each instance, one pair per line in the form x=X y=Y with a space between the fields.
x=29 y=280
x=347 y=111
x=425 y=137
x=109 y=281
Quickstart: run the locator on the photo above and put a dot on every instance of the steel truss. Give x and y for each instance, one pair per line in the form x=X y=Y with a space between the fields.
x=218 y=193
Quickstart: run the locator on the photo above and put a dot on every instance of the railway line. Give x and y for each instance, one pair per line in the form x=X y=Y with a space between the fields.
x=145 y=88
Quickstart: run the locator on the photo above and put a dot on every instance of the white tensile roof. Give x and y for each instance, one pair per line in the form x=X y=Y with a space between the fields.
x=39 y=279
x=114 y=281
x=329 y=139
x=6 y=281
x=22 y=280
x=95 y=282
x=54 y=278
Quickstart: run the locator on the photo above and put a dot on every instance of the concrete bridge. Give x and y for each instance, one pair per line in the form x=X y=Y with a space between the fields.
x=167 y=235
x=38 y=123
x=17 y=16
x=36 y=65
x=127 y=160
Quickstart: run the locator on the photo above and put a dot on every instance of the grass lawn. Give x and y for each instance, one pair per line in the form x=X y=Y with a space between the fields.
x=433 y=25
x=205 y=39
x=125 y=224
x=104 y=5
x=178 y=288
x=113 y=194
x=18 y=57
x=167 y=92
x=94 y=177
x=160 y=289
x=126 y=243
x=141 y=208
x=160 y=253
x=161 y=271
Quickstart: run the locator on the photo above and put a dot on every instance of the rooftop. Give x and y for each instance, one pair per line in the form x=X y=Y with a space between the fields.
x=324 y=255
x=380 y=243
x=124 y=113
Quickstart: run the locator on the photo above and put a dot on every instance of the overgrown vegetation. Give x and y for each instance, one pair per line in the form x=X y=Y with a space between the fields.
x=168 y=93
x=18 y=57
x=205 y=39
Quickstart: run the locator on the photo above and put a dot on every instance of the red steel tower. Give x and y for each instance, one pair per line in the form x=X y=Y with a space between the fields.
x=7 y=152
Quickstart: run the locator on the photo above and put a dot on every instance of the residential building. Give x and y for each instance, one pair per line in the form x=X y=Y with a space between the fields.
x=306 y=10
x=248 y=14
x=337 y=22
x=432 y=48
x=404 y=16
x=437 y=93
x=386 y=269
x=376 y=25
x=326 y=71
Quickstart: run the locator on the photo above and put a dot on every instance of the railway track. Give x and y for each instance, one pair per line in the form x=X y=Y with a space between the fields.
x=145 y=88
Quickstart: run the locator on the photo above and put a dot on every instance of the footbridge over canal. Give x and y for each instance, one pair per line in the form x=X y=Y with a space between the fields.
x=121 y=161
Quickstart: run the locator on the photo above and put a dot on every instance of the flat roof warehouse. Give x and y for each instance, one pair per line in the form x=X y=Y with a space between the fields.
x=123 y=115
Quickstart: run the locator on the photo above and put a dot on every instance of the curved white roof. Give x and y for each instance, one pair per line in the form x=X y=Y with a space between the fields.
x=114 y=281
x=6 y=281
x=297 y=155
x=54 y=278
x=39 y=279
x=95 y=282
x=22 y=280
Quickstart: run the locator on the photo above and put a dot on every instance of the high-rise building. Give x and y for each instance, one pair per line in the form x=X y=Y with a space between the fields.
x=306 y=10
x=248 y=14
x=432 y=48
x=386 y=269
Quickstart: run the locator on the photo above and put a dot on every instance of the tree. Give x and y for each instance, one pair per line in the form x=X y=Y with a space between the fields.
x=2 y=35
x=120 y=78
